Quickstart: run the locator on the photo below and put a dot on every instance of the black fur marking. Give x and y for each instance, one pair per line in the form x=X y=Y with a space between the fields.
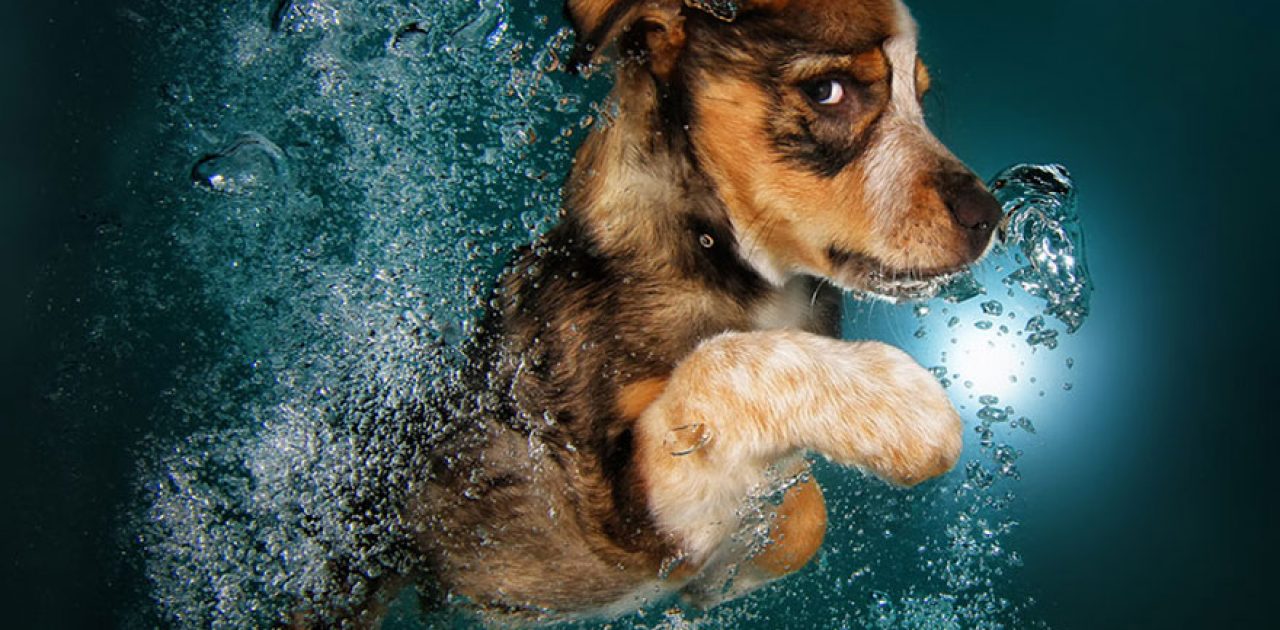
x=825 y=159
x=720 y=266
x=853 y=261
x=675 y=109
x=828 y=151
x=825 y=144
x=631 y=518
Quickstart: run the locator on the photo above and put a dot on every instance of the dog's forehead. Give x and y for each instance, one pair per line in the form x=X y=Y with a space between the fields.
x=844 y=24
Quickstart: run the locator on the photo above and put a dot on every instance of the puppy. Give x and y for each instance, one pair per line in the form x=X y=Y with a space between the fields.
x=662 y=359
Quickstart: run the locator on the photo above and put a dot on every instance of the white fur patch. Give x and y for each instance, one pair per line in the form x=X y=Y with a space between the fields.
x=906 y=146
x=790 y=308
x=890 y=162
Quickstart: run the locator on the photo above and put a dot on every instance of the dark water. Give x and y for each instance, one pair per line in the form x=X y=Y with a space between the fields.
x=1144 y=497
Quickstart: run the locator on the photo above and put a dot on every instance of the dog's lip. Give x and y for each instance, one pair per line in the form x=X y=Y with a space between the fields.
x=871 y=275
x=911 y=284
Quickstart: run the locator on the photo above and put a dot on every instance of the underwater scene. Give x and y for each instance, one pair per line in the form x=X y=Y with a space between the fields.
x=247 y=259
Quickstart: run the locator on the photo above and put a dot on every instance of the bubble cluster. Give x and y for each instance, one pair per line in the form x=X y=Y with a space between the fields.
x=358 y=173
x=1041 y=239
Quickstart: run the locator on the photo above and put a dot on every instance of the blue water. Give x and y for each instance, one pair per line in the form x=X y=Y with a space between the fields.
x=272 y=222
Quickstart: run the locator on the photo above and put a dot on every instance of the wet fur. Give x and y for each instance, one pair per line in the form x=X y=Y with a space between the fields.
x=663 y=354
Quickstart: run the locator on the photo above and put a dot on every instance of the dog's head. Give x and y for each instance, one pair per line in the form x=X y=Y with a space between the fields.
x=806 y=117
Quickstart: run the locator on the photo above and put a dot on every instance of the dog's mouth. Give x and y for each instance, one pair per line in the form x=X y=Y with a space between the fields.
x=867 y=274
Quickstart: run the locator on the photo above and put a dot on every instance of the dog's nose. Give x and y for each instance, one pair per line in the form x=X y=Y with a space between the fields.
x=972 y=207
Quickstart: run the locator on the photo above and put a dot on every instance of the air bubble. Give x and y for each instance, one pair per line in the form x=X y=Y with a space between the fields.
x=1045 y=338
x=251 y=162
x=993 y=414
x=519 y=133
x=961 y=288
x=411 y=40
x=726 y=10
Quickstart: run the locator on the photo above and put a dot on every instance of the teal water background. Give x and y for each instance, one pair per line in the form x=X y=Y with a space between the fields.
x=1146 y=498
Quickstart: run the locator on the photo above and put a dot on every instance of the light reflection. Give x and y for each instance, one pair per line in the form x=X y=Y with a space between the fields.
x=994 y=344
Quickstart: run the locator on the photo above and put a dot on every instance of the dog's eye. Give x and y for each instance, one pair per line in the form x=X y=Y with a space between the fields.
x=827 y=92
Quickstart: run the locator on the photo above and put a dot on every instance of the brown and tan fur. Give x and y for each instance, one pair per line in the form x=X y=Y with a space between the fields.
x=662 y=357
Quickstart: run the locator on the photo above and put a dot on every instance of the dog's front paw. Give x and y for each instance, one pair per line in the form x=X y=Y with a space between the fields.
x=896 y=419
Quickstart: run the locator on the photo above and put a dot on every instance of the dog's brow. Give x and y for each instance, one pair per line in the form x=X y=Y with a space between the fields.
x=864 y=66
x=809 y=63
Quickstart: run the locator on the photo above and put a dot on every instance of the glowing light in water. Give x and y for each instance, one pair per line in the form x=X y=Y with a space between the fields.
x=979 y=361
x=995 y=338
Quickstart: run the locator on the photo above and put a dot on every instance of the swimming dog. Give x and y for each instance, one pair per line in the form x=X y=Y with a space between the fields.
x=664 y=356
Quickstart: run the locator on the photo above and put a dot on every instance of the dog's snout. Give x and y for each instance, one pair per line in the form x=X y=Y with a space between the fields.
x=971 y=205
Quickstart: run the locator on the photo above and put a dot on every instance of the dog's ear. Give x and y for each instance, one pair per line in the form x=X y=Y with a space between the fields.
x=652 y=28
x=728 y=10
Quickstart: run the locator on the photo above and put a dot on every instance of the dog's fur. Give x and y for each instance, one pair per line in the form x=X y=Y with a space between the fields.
x=662 y=357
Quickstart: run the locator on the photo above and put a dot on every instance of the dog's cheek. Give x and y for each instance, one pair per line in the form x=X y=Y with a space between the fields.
x=732 y=148
x=828 y=213
x=729 y=137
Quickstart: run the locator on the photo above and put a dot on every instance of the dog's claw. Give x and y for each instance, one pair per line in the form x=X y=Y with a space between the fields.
x=687 y=440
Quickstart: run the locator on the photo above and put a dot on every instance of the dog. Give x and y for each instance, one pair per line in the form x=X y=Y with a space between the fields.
x=664 y=357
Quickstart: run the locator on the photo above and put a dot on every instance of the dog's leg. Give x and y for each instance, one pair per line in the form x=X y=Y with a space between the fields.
x=796 y=527
x=743 y=401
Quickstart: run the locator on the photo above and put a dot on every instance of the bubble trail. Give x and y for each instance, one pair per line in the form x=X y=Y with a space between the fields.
x=1043 y=227
x=1041 y=239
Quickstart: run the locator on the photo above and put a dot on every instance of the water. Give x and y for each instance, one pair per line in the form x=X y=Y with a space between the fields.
x=358 y=172
x=337 y=182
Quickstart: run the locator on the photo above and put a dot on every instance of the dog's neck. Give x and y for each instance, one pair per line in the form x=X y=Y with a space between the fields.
x=638 y=192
